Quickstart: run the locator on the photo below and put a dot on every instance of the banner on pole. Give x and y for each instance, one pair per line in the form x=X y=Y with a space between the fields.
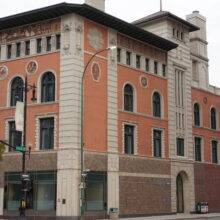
x=19 y=116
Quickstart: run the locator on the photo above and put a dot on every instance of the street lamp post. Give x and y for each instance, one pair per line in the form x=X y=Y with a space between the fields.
x=84 y=172
x=25 y=89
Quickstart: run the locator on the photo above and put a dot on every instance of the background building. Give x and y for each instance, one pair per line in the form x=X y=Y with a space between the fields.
x=151 y=125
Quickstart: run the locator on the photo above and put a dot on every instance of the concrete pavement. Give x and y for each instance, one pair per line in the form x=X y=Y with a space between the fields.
x=214 y=216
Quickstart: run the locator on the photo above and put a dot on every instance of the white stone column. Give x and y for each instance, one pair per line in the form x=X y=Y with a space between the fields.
x=33 y=46
x=71 y=68
x=113 y=157
x=3 y=52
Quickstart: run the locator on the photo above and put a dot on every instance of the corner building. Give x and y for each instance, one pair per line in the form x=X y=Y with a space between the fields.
x=151 y=124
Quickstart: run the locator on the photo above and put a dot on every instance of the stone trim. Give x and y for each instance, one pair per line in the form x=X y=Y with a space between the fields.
x=145 y=175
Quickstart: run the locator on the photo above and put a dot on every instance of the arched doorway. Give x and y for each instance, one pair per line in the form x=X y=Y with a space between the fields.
x=179 y=194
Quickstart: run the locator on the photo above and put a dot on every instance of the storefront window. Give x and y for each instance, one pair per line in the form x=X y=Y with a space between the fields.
x=96 y=191
x=42 y=196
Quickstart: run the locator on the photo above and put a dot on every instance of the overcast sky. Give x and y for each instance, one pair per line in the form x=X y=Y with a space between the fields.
x=130 y=10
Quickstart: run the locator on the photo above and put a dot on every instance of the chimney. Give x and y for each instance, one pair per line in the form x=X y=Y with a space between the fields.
x=99 y=4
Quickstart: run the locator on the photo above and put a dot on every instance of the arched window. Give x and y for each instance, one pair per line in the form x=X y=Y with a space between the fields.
x=48 y=87
x=156 y=105
x=213 y=118
x=128 y=98
x=16 y=90
x=196 y=114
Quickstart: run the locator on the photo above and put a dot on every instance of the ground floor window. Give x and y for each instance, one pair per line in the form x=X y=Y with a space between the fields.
x=42 y=195
x=96 y=188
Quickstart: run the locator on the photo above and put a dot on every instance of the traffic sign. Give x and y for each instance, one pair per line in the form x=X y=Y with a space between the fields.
x=20 y=148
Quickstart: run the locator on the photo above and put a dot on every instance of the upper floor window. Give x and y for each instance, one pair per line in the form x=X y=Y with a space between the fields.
x=164 y=70
x=16 y=90
x=147 y=64
x=129 y=139
x=46 y=133
x=155 y=67
x=214 y=152
x=213 y=118
x=48 y=87
x=18 y=49
x=48 y=39
x=128 y=58
x=196 y=114
x=39 y=45
x=119 y=55
x=15 y=137
x=9 y=51
x=198 y=151
x=138 y=61
x=180 y=146
x=156 y=105
x=157 y=143
x=27 y=48
x=128 y=98
x=58 y=41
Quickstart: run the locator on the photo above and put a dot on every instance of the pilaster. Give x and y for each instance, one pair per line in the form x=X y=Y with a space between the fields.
x=113 y=157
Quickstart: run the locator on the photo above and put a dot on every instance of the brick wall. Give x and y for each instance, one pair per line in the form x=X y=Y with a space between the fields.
x=142 y=196
x=207 y=182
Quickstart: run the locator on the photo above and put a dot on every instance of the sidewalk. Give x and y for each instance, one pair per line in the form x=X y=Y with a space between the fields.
x=178 y=216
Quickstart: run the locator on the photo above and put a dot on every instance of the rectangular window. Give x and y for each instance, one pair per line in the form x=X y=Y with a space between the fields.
x=164 y=70
x=129 y=139
x=155 y=67
x=119 y=55
x=180 y=146
x=9 y=51
x=58 y=41
x=96 y=191
x=214 y=152
x=39 y=45
x=18 y=49
x=46 y=133
x=128 y=58
x=48 y=39
x=157 y=143
x=15 y=137
x=27 y=48
x=198 y=154
x=138 y=61
x=147 y=64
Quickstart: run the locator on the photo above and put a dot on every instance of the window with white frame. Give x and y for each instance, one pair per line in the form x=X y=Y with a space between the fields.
x=157 y=143
x=48 y=87
x=213 y=118
x=128 y=98
x=16 y=90
x=46 y=133
x=198 y=149
x=129 y=137
x=15 y=137
x=156 y=105
x=214 y=151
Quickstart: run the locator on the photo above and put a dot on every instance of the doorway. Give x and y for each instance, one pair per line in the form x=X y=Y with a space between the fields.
x=179 y=194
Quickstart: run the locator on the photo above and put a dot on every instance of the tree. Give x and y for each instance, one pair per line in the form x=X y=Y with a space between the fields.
x=2 y=149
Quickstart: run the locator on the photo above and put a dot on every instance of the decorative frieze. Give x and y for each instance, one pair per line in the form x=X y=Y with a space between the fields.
x=28 y=31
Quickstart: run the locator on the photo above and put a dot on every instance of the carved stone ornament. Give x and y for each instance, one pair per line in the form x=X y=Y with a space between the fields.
x=31 y=67
x=205 y=100
x=3 y=72
x=143 y=81
x=95 y=38
x=95 y=71
x=79 y=28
